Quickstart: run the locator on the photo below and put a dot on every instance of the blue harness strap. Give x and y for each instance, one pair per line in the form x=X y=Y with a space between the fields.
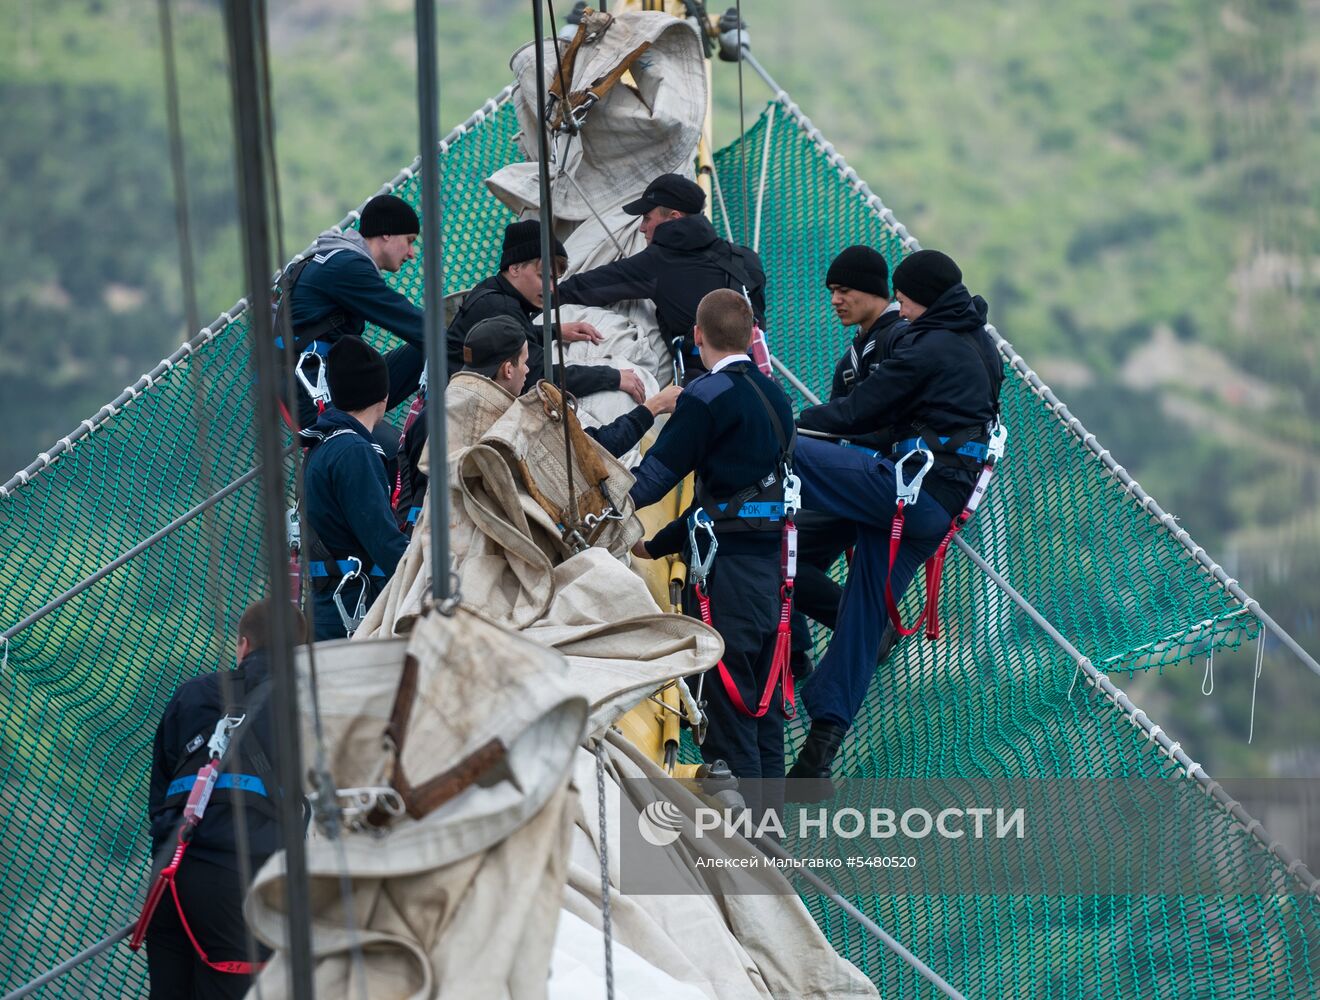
x=770 y=510
x=242 y=782
x=413 y=514
x=319 y=568
x=321 y=348
x=972 y=449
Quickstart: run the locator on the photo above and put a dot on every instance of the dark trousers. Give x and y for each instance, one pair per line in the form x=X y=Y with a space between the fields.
x=822 y=539
x=212 y=898
x=326 y=622
x=854 y=485
x=744 y=606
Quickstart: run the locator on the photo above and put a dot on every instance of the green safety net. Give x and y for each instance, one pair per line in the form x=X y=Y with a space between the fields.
x=82 y=688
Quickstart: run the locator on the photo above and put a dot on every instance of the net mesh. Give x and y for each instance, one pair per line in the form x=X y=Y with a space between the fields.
x=83 y=687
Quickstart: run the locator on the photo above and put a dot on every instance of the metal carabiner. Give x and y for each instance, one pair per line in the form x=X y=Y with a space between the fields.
x=792 y=495
x=680 y=368
x=351 y=622
x=218 y=744
x=908 y=490
x=320 y=390
x=994 y=449
x=608 y=514
x=578 y=115
x=698 y=565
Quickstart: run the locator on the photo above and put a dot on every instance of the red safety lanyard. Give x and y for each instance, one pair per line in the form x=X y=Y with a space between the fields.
x=930 y=611
x=780 y=672
x=192 y=815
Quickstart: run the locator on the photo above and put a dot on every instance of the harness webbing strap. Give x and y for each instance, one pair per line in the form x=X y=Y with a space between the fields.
x=780 y=672
x=930 y=610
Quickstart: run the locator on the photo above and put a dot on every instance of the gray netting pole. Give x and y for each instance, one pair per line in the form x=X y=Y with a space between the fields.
x=547 y=220
x=433 y=296
x=245 y=27
x=68 y=965
x=131 y=554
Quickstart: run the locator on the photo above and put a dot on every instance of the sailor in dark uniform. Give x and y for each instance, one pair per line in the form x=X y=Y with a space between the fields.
x=733 y=428
x=209 y=879
x=516 y=292
x=858 y=283
x=684 y=259
x=340 y=287
x=937 y=384
x=347 y=493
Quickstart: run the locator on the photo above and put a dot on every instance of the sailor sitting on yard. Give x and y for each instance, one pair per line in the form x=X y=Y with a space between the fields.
x=937 y=387
x=858 y=284
x=341 y=288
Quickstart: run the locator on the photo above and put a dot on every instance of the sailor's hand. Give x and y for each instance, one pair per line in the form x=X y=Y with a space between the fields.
x=631 y=383
x=579 y=330
x=665 y=400
x=639 y=549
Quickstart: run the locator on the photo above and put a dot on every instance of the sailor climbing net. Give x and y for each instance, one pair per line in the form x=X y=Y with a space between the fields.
x=998 y=696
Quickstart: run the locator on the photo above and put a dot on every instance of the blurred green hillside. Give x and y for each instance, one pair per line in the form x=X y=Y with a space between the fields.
x=1131 y=184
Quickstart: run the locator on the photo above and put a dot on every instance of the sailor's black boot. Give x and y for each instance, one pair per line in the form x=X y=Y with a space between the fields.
x=888 y=640
x=809 y=778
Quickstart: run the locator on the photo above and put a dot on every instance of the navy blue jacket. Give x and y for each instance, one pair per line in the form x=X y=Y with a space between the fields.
x=686 y=259
x=181 y=737
x=496 y=296
x=721 y=431
x=347 y=494
x=342 y=278
x=941 y=373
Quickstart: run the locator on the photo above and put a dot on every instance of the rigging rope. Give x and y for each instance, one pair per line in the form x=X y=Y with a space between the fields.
x=607 y=927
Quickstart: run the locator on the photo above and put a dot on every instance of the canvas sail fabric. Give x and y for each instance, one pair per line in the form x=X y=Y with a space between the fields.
x=479 y=876
x=648 y=124
x=466 y=901
x=724 y=945
x=506 y=467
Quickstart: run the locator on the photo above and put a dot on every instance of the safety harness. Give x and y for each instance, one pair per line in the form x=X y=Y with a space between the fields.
x=326 y=569
x=313 y=341
x=199 y=788
x=750 y=509
x=908 y=491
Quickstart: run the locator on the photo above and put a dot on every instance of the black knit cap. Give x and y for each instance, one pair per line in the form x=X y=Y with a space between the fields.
x=386 y=215
x=926 y=275
x=357 y=375
x=669 y=191
x=862 y=269
x=492 y=342
x=522 y=242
